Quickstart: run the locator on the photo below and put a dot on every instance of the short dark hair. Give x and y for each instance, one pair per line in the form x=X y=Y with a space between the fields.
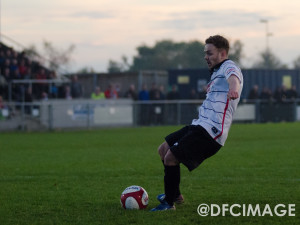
x=219 y=42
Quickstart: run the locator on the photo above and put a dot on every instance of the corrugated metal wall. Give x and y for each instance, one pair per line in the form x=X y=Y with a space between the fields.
x=261 y=77
x=269 y=78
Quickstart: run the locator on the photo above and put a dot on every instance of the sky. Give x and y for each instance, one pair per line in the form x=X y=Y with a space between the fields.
x=103 y=30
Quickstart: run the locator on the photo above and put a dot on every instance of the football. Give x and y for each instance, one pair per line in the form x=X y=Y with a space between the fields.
x=134 y=197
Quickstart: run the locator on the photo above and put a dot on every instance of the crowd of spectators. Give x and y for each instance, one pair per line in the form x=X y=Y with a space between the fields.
x=157 y=92
x=280 y=94
x=17 y=66
x=154 y=93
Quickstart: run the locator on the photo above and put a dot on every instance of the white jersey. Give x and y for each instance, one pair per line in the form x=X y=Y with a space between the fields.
x=216 y=112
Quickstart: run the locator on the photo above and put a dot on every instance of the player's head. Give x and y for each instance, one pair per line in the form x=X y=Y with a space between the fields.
x=216 y=50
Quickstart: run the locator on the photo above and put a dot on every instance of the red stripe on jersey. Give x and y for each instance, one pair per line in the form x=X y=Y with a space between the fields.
x=225 y=110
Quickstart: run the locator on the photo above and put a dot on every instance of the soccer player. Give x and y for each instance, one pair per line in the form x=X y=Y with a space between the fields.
x=192 y=144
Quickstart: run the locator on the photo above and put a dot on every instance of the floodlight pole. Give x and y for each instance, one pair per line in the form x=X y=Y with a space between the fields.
x=268 y=34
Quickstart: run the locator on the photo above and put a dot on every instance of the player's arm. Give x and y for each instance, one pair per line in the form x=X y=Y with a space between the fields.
x=234 y=87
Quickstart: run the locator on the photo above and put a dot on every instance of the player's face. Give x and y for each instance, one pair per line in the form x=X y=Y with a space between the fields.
x=213 y=56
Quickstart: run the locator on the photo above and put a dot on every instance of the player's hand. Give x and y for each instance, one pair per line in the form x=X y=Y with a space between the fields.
x=232 y=95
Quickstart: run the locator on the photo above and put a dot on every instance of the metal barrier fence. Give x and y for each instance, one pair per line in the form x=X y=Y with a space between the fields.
x=85 y=114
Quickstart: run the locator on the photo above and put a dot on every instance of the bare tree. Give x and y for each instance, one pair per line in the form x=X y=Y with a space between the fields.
x=117 y=67
x=296 y=63
x=51 y=57
x=236 y=51
x=268 y=60
x=57 y=58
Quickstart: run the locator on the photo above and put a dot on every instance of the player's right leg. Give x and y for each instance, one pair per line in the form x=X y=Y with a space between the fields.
x=172 y=172
x=172 y=169
x=178 y=200
x=171 y=180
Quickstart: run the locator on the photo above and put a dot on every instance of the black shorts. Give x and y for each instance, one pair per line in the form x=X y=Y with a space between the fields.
x=191 y=145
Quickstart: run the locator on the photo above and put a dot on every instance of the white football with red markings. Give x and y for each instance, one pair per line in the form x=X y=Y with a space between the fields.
x=134 y=197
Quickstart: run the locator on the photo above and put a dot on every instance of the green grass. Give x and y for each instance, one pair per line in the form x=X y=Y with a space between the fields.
x=77 y=177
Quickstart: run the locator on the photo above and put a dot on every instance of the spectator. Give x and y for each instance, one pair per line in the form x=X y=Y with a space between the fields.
x=193 y=94
x=156 y=109
x=16 y=74
x=41 y=86
x=28 y=99
x=131 y=93
x=28 y=74
x=6 y=65
x=280 y=94
x=53 y=91
x=4 y=110
x=68 y=94
x=28 y=95
x=52 y=75
x=7 y=74
x=2 y=105
x=153 y=92
x=277 y=94
x=266 y=94
x=111 y=92
x=35 y=67
x=41 y=75
x=284 y=92
x=159 y=109
x=14 y=66
x=3 y=85
x=29 y=66
x=2 y=57
x=172 y=108
x=8 y=53
x=76 y=89
x=253 y=93
x=144 y=108
x=292 y=93
x=97 y=94
x=203 y=92
x=156 y=95
x=118 y=89
x=162 y=92
x=44 y=96
x=144 y=93
x=173 y=94
x=15 y=55
x=23 y=68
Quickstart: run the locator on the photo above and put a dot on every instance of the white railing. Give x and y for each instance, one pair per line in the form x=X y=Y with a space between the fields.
x=85 y=114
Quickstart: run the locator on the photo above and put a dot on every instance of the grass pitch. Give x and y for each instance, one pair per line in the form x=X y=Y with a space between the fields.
x=77 y=177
